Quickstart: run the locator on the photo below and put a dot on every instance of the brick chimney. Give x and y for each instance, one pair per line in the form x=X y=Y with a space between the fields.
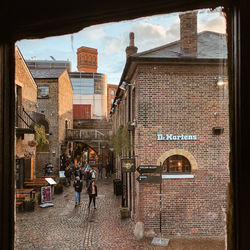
x=188 y=33
x=131 y=49
x=87 y=59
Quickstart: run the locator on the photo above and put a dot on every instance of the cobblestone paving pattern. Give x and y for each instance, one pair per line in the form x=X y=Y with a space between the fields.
x=66 y=227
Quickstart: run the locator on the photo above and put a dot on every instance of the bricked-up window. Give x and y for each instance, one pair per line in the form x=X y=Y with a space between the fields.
x=177 y=164
x=43 y=91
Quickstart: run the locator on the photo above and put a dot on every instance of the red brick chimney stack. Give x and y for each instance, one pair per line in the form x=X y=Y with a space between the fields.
x=131 y=49
x=87 y=59
x=188 y=32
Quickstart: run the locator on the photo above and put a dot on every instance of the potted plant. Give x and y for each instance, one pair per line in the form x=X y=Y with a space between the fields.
x=29 y=204
x=32 y=143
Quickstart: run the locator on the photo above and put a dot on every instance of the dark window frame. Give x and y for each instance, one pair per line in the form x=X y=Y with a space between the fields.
x=180 y=158
x=238 y=11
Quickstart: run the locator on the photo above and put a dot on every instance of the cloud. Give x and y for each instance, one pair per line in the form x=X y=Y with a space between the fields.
x=217 y=24
x=113 y=45
x=93 y=33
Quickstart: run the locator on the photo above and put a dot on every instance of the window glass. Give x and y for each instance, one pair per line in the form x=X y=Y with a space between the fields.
x=177 y=164
x=43 y=91
x=112 y=92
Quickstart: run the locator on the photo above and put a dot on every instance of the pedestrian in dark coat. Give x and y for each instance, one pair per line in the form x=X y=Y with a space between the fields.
x=78 y=172
x=67 y=174
x=92 y=191
x=78 y=189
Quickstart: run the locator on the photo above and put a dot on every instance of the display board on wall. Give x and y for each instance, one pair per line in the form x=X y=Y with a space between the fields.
x=128 y=165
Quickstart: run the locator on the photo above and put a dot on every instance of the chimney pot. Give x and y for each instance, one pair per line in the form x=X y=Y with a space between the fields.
x=131 y=49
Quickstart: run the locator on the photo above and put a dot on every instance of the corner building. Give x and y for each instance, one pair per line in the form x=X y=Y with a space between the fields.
x=176 y=97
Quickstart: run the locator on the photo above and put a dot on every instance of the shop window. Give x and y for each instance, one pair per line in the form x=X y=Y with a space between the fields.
x=177 y=164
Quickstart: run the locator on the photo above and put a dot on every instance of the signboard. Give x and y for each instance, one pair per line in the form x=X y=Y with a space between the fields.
x=149 y=169
x=171 y=137
x=46 y=194
x=51 y=181
x=61 y=174
x=128 y=165
x=149 y=179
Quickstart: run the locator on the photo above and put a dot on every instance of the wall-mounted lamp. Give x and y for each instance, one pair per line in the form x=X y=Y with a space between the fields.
x=132 y=125
x=123 y=85
x=112 y=110
x=117 y=101
x=220 y=81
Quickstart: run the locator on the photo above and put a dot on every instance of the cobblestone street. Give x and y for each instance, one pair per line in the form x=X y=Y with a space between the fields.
x=66 y=227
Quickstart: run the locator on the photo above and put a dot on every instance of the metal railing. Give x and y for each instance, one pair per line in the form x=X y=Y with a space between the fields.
x=88 y=134
x=23 y=119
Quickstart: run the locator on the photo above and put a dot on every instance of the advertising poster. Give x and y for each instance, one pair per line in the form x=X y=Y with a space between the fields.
x=46 y=194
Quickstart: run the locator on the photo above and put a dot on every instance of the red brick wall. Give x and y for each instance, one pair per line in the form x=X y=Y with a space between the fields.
x=82 y=111
x=183 y=100
x=87 y=59
x=110 y=96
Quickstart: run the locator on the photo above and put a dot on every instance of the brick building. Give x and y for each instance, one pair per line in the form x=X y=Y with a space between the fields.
x=26 y=99
x=175 y=98
x=87 y=59
x=89 y=95
x=111 y=90
x=55 y=101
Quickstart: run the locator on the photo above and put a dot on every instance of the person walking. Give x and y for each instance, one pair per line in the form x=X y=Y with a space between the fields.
x=92 y=191
x=100 y=169
x=108 y=170
x=93 y=174
x=78 y=172
x=67 y=174
x=78 y=189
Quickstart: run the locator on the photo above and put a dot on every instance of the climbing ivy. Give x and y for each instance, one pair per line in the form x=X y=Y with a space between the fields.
x=40 y=137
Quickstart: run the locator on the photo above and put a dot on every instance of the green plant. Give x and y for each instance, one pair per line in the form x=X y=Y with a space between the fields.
x=126 y=138
x=41 y=138
x=120 y=141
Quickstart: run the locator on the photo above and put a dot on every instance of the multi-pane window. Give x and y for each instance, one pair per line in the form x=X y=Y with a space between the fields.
x=43 y=91
x=177 y=164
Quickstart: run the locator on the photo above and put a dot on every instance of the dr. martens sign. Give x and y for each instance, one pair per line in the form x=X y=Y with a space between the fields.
x=171 y=137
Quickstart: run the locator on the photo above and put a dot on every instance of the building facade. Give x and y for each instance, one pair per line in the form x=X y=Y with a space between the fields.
x=175 y=100
x=90 y=95
x=26 y=100
x=55 y=101
x=111 y=90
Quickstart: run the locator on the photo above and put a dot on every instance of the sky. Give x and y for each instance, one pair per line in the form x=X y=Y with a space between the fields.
x=111 y=40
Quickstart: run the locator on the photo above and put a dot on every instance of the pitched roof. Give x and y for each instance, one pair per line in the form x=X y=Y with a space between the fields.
x=210 y=45
x=46 y=73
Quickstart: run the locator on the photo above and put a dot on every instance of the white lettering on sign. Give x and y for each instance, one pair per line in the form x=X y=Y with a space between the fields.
x=171 y=137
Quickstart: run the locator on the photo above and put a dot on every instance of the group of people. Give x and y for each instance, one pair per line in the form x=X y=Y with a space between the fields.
x=91 y=189
x=82 y=172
